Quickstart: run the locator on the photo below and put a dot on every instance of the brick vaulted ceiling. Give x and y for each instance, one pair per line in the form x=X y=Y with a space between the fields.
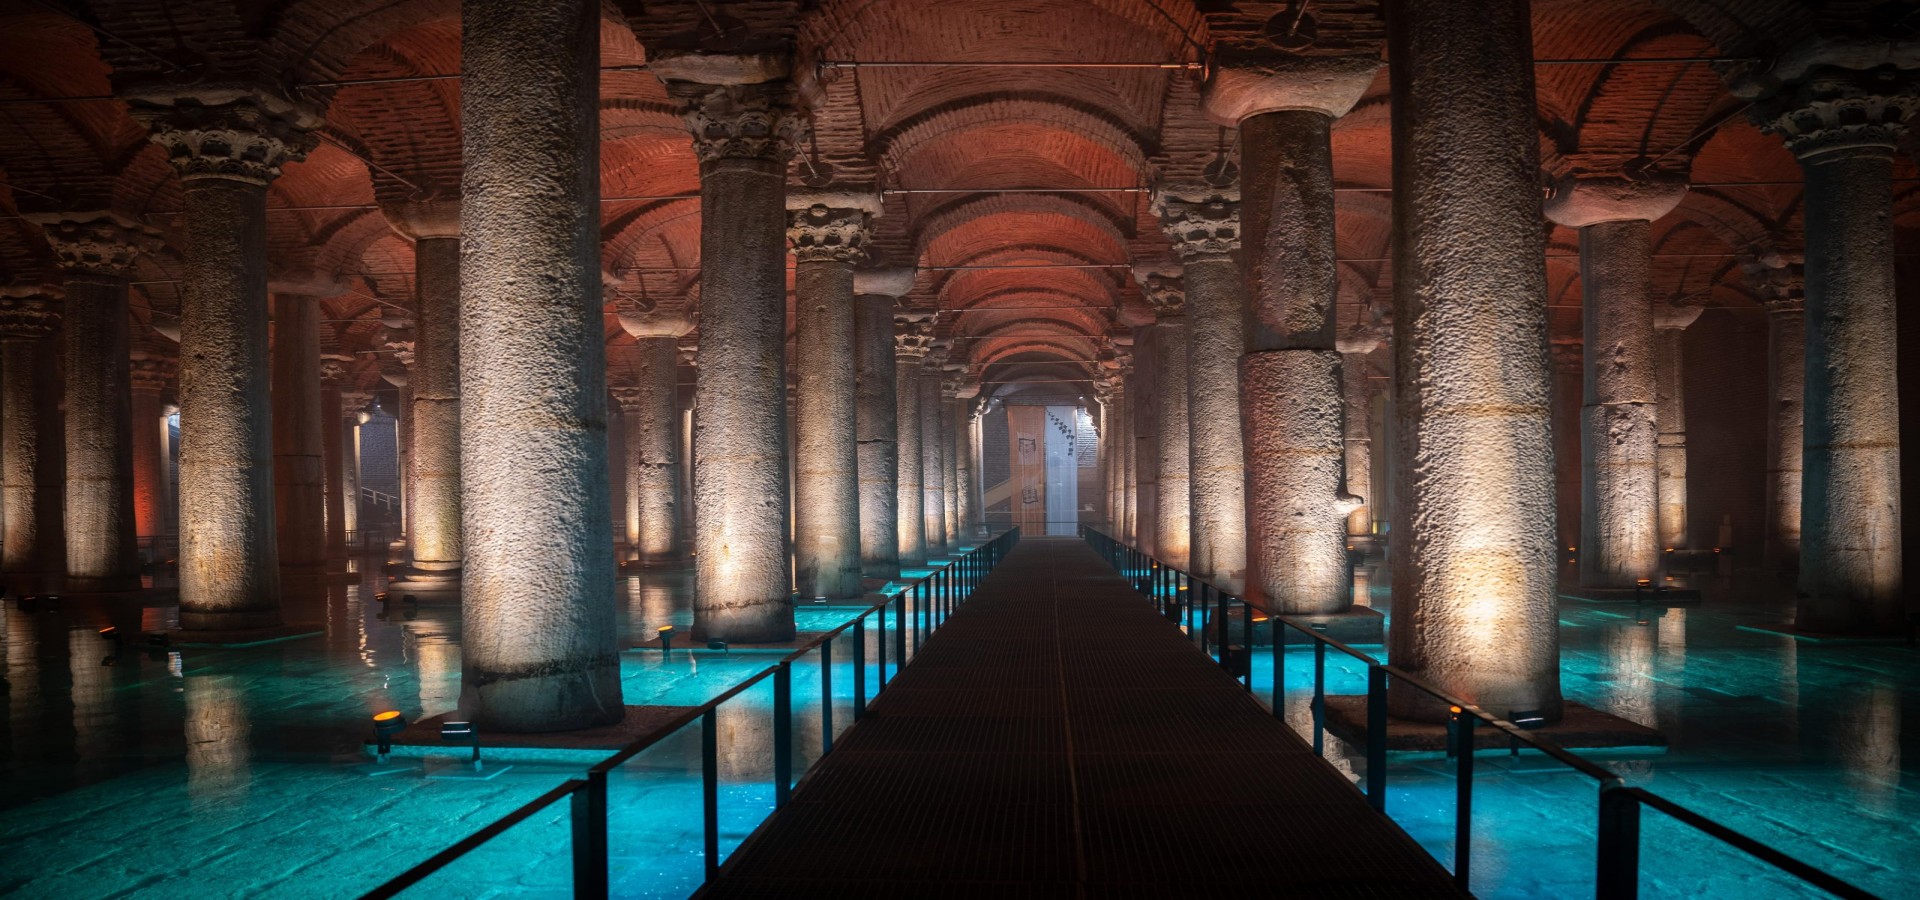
x=1003 y=162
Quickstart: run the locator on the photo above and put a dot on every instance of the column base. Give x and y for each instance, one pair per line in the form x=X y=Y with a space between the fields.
x=107 y=584
x=1354 y=625
x=1580 y=727
x=430 y=587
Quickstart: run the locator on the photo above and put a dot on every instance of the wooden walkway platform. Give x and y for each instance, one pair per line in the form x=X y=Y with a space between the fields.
x=1056 y=738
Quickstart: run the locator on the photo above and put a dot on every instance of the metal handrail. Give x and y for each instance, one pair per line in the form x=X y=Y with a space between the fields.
x=944 y=588
x=1618 y=856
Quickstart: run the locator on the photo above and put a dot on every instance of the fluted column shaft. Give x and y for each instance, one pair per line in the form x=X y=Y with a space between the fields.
x=299 y=472
x=910 y=491
x=933 y=480
x=30 y=442
x=1474 y=586
x=538 y=647
x=829 y=235
x=876 y=428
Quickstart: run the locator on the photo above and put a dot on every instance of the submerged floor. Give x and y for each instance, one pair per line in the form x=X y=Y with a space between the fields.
x=190 y=772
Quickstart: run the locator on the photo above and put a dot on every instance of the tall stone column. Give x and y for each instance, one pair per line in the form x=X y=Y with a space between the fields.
x=30 y=442
x=1204 y=224
x=651 y=413
x=352 y=405
x=1144 y=389
x=1474 y=602
x=1173 y=491
x=1127 y=445
x=1619 y=476
x=433 y=465
x=148 y=374
x=829 y=231
x=1782 y=291
x=97 y=252
x=966 y=506
x=1290 y=377
x=911 y=346
x=952 y=434
x=299 y=469
x=933 y=477
x=1670 y=323
x=226 y=151
x=1356 y=394
x=333 y=374
x=399 y=374
x=1568 y=361
x=740 y=110
x=539 y=647
x=877 y=417
x=1841 y=108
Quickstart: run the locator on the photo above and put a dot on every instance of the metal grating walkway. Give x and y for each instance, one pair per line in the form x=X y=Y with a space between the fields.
x=1056 y=738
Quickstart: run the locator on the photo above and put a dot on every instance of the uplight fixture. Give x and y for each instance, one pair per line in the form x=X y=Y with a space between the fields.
x=386 y=724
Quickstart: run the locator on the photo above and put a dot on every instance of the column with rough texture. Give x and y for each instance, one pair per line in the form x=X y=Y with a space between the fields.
x=911 y=346
x=877 y=417
x=352 y=405
x=1144 y=390
x=1619 y=474
x=539 y=647
x=1780 y=286
x=1356 y=394
x=965 y=503
x=1203 y=223
x=433 y=488
x=951 y=436
x=333 y=374
x=226 y=152
x=1123 y=377
x=829 y=231
x=650 y=411
x=1173 y=493
x=30 y=438
x=1474 y=602
x=299 y=470
x=933 y=479
x=147 y=377
x=97 y=252
x=1841 y=108
x=1290 y=377
x=1670 y=323
x=740 y=110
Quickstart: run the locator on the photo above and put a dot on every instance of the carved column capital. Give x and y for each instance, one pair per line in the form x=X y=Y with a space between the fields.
x=149 y=372
x=237 y=134
x=335 y=367
x=831 y=226
x=913 y=340
x=1164 y=289
x=1779 y=283
x=1675 y=316
x=1833 y=95
x=1202 y=221
x=655 y=317
x=627 y=397
x=1569 y=356
x=1580 y=199
x=741 y=121
x=28 y=314
x=889 y=281
x=98 y=243
x=353 y=403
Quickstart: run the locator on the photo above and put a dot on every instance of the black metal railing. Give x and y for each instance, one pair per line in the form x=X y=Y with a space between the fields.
x=933 y=599
x=1618 y=838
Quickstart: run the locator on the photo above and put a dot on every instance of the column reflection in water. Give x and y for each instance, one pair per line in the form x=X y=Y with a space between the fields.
x=23 y=679
x=92 y=693
x=219 y=758
x=1868 y=738
x=1630 y=654
x=435 y=648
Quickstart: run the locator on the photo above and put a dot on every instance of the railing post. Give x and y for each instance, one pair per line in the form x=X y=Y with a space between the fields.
x=1279 y=665
x=782 y=733
x=710 y=790
x=1246 y=638
x=1463 y=723
x=881 y=656
x=1618 y=854
x=1220 y=611
x=589 y=809
x=1319 y=708
x=1377 y=737
x=899 y=632
x=860 y=666
x=826 y=697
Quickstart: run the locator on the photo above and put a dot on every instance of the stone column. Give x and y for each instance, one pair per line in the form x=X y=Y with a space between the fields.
x=740 y=110
x=911 y=346
x=1619 y=478
x=299 y=470
x=1474 y=602
x=399 y=374
x=877 y=417
x=433 y=465
x=30 y=430
x=933 y=478
x=97 y=252
x=352 y=405
x=1128 y=446
x=829 y=231
x=539 y=644
x=1781 y=289
x=1568 y=359
x=966 y=506
x=952 y=436
x=1670 y=323
x=1204 y=224
x=1841 y=108
x=226 y=151
x=148 y=375
x=1144 y=390
x=333 y=373
x=652 y=417
x=1356 y=394
x=1173 y=491
x=1290 y=378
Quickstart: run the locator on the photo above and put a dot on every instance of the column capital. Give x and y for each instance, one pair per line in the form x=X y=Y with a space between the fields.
x=655 y=317
x=29 y=313
x=1361 y=338
x=885 y=281
x=1780 y=284
x=831 y=226
x=100 y=242
x=402 y=352
x=335 y=367
x=627 y=397
x=1826 y=95
x=313 y=283
x=353 y=403
x=1674 y=315
x=1579 y=199
x=1201 y=220
x=1569 y=355
x=418 y=220
x=149 y=372
x=913 y=342
x=1163 y=287
x=741 y=120
x=1246 y=84
x=238 y=133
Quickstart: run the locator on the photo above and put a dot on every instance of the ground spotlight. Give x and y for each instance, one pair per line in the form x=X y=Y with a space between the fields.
x=385 y=726
x=717 y=645
x=1525 y=720
x=462 y=733
x=159 y=639
x=666 y=639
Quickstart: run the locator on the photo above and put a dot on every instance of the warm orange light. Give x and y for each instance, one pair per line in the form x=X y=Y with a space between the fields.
x=666 y=629
x=1716 y=549
x=1573 y=550
x=1260 y=618
x=1643 y=582
x=1455 y=710
x=1669 y=549
x=386 y=716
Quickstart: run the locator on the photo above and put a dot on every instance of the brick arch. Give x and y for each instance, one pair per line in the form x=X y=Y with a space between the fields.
x=319 y=38
x=979 y=221
x=1095 y=132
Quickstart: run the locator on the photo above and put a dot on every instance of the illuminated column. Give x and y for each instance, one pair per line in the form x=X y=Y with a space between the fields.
x=1619 y=476
x=1204 y=225
x=1568 y=359
x=952 y=438
x=877 y=417
x=1146 y=445
x=433 y=462
x=333 y=373
x=1290 y=379
x=147 y=378
x=299 y=470
x=829 y=231
x=399 y=374
x=966 y=507
x=1474 y=603
x=352 y=405
x=1128 y=447
x=539 y=646
x=1670 y=323
x=97 y=252
x=651 y=414
x=933 y=481
x=910 y=348
x=30 y=437
x=1173 y=497
x=226 y=152
x=1781 y=288
x=1356 y=394
x=1842 y=109
x=740 y=110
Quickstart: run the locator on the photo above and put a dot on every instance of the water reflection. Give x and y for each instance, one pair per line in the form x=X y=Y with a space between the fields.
x=219 y=760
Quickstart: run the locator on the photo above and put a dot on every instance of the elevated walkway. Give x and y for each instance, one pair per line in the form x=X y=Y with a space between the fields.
x=1056 y=737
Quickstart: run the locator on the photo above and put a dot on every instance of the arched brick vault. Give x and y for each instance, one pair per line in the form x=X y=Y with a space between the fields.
x=929 y=128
